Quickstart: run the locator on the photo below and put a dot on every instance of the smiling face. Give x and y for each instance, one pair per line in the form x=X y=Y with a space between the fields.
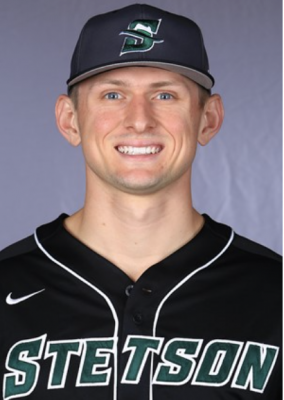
x=138 y=128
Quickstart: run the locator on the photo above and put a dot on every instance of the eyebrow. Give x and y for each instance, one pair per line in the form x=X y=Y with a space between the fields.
x=165 y=83
x=115 y=82
x=118 y=82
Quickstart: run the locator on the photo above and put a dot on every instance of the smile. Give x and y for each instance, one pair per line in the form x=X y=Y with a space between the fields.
x=139 y=150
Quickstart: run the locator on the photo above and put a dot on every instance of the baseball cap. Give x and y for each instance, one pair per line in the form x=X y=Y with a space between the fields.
x=140 y=35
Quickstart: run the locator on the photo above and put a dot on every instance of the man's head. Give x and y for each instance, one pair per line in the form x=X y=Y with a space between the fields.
x=140 y=35
x=138 y=127
x=141 y=79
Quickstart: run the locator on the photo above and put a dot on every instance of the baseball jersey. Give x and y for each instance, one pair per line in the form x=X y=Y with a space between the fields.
x=202 y=324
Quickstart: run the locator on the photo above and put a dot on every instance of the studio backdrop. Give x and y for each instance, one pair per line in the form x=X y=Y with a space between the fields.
x=237 y=178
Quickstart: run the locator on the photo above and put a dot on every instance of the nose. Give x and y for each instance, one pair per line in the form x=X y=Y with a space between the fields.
x=140 y=115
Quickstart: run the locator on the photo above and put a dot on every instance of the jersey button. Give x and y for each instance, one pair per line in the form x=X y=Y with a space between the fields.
x=128 y=290
x=146 y=291
x=138 y=318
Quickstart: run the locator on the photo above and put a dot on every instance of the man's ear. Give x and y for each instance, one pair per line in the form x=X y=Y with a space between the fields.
x=212 y=119
x=66 y=120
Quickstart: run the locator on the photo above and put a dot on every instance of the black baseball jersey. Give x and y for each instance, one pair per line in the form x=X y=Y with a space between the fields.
x=202 y=324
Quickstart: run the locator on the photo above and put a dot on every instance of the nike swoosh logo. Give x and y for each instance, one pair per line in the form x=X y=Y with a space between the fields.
x=12 y=301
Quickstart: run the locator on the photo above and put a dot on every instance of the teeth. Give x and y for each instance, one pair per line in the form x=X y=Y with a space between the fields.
x=138 y=150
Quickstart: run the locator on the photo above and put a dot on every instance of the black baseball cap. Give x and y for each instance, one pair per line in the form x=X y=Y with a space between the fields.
x=140 y=35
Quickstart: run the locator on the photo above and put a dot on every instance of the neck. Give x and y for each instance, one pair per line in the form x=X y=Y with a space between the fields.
x=135 y=232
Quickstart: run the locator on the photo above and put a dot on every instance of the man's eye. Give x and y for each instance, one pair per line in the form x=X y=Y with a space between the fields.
x=165 y=96
x=113 y=96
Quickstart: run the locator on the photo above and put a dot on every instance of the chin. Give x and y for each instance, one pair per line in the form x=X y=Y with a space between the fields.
x=138 y=186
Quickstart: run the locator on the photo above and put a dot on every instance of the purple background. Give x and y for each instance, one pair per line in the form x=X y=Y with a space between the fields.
x=237 y=177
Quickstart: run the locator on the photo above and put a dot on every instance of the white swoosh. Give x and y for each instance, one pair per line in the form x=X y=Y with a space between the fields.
x=11 y=301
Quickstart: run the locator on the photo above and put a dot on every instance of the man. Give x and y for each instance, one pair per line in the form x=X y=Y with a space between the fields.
x=137 y=295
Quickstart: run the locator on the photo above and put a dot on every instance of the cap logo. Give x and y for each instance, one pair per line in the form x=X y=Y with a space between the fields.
x=140 y=36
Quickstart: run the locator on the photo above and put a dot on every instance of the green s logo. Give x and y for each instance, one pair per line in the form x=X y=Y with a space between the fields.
x=140 y=36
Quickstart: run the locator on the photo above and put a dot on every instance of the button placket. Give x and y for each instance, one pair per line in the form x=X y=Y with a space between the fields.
x=128 y=290
x=138 y=318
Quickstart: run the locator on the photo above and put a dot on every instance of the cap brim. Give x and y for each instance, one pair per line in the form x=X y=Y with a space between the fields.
x=205 y=80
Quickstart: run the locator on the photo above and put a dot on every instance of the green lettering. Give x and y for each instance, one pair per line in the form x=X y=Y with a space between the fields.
x=179 y=363
x=61 y=353
x=255 y=367
x=140 y=36
x=217 y=363
x=96 y=356
x=140 y=347
x=24 y=370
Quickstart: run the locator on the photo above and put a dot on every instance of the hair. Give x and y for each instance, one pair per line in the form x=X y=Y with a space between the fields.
x=204 y=94
x=72 y=92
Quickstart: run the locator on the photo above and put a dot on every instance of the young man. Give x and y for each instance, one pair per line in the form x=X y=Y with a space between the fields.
x=137 y=295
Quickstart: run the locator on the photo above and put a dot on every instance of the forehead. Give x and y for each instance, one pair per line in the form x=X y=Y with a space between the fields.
x=140 y=76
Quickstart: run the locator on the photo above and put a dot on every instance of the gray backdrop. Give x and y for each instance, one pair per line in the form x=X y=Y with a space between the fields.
x=237 y=177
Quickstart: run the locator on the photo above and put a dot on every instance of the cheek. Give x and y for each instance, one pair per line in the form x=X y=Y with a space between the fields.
x=184 y=131
x=97 y=136
x=95 y=127
x=184 y=134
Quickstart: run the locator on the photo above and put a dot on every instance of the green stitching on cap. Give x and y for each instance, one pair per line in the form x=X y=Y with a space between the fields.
x=140 y=36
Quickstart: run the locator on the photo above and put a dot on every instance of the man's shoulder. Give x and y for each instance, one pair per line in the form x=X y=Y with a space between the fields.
x=243 y=247
x=18 y=248
x=250 y=247
x=29 y=244
x=249 y=268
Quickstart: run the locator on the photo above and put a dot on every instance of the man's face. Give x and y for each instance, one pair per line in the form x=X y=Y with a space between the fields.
x=139 y=128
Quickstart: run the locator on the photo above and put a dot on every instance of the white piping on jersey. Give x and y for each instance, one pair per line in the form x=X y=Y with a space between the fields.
x=172 y=291
x=108 y=301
